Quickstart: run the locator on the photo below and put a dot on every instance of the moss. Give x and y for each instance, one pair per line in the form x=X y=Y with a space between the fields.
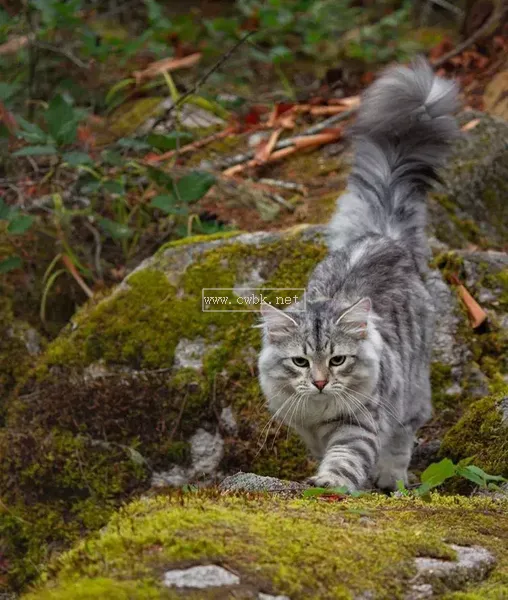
x=197 y=239
x=108 y=384
x=481 y=435
x=106 y=589
x=441 y=380
x=301 y=548
x=15 y=358
x=498 y=282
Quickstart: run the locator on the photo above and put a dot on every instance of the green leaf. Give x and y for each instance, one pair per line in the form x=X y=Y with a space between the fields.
x=20 y=224
x=6 y=211
x=35 y=151
x=116 y=230
x=10 y=263
x=312 y=492
x=62 y=120
x=169 y=205
x=477 y=475
x=194 y=186
x=76 y=159
x=164 y=202
x=436 y=473
x=112 y=158
x=30 y=132
x=171 y=141
x=160 y=178
x=132 y=144
x=7 y=90
x=113 y=187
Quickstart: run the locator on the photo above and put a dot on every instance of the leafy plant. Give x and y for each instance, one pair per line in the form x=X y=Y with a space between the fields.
x=437 y=473
x=62 y=120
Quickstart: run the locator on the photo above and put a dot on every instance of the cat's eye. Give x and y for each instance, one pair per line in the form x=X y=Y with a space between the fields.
x=300 y=361
x=336 y=361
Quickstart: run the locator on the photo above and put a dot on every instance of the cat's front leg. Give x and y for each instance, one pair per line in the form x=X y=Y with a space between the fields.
x=350 y=456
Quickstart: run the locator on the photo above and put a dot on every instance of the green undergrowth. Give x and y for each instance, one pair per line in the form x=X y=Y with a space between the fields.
x=298 y=547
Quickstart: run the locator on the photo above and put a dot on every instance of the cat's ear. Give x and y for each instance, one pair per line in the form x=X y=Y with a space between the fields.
x=276 y=321
x=354 y=320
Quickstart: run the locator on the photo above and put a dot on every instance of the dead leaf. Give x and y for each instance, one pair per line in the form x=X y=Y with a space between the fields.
x=14 y=44
x=470 y=125
x=166 y=64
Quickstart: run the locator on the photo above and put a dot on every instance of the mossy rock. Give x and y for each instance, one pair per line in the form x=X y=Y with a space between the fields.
x=136 y=389
x=19 y=346
x=482 y=434
x=144 y=387
x=370 y=547
x=472 y=206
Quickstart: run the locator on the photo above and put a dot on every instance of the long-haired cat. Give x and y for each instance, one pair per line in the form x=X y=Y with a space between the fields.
x=350 y=373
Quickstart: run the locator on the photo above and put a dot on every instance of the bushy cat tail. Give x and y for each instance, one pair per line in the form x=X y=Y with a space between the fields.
x=402 y=134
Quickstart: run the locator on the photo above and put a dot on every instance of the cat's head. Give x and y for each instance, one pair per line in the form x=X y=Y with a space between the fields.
x=328 y=349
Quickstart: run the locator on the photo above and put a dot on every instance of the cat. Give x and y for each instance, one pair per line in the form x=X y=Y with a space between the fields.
x=350 y=372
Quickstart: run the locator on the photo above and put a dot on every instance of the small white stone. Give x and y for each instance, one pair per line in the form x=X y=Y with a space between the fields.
x=175 y=477
x=203 y=576
x=189 y=353
x=262 y=596
x=207 y=451
x=228 y=420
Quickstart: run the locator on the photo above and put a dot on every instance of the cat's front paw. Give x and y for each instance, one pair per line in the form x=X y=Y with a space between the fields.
x=331 y=480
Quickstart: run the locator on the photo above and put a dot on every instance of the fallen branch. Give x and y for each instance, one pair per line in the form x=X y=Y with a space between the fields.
x=166 y=64
x=192 y=146
x=296 y=143
x=500 y=8
x=265 y=149
x=238 y=159
x=286 y=185
x=282 y=201
x=63 y=52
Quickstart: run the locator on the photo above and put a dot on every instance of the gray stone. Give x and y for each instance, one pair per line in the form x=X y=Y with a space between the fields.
x=206 y=451
x=228 y=421
x=250 y=482
x=473 y=563
x=189 y=353
x=420 y=591
x=504 y=409
x=203 y=576
x=425 y=453
x=446 y=348
x=262 y=596
x=475 y=185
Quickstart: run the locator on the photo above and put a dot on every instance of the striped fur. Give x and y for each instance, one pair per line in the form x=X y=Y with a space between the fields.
x=367 y=302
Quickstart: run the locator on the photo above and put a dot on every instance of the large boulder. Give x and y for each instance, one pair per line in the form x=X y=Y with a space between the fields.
x=216 y=545
x=472 y=206
x=146 y=388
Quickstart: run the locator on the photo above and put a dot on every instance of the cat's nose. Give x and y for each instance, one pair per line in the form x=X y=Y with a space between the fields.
x=320 y=384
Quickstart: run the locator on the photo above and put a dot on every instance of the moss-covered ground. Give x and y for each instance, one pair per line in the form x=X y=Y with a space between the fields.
x=302 y=548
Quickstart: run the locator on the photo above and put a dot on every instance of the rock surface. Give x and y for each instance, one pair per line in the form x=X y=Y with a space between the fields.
x=120 y=402
x=217 y=545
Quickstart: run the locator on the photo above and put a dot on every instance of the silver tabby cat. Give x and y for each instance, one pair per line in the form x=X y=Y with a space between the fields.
x=350 y=373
